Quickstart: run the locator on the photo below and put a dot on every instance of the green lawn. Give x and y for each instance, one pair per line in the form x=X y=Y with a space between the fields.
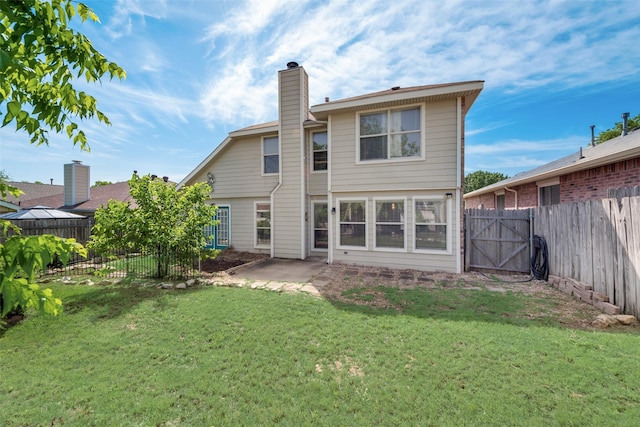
x=139 y=356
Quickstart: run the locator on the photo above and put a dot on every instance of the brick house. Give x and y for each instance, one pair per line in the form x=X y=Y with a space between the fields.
x=587 y=174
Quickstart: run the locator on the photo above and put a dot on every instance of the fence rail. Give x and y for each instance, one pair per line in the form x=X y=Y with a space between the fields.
x=497 y=240
x=596 y=242
x=119 y=263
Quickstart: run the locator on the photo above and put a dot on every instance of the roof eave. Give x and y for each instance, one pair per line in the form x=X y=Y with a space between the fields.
x=469 y=89
x=579 y=165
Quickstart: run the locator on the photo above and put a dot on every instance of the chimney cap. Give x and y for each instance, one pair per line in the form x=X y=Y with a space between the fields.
x=292 y=64
x=77 y=162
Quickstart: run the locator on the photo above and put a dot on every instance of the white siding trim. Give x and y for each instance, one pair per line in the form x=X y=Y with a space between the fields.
x=459 y=143
x=312 y=152
x=449 y=237
x=204 y=163
x=330 y=206
x=304 y=208
x=423 y=136
x=548 y=182
x=375 y=224
x=459 y=183
x=312 y=225
x=255 y=224
x=366 y=223
x=279 y=155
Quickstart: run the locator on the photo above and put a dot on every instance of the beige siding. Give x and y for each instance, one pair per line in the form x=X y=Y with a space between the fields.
x=76 y=184
x=316 y=181
x=408 y=258
x=437 y=170
x=238 y=171
x=242 y=223
x=289 y=201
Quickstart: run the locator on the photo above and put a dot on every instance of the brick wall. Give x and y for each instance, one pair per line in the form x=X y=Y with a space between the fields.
x=594 y=183
x=589 y=184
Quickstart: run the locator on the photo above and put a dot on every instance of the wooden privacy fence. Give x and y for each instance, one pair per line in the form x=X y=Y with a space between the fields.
x=498 y=240
x=596 y=242
x=79 y=229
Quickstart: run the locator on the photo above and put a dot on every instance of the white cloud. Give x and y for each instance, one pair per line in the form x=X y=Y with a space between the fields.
x=130 y=13
x=349 y=48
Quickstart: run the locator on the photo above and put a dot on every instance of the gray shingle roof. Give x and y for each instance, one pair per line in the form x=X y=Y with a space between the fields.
x=615 y=150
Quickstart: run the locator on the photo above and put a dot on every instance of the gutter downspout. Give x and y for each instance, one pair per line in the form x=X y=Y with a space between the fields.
x=515 y=194
x=272 y=195
x=330 y=216
x=459 y=213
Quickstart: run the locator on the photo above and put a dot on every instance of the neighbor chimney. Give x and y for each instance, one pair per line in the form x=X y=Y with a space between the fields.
x=625 y=123
x=76 y=183
x=593 y=137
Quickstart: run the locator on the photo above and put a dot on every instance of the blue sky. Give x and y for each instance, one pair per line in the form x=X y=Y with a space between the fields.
x=197 y=70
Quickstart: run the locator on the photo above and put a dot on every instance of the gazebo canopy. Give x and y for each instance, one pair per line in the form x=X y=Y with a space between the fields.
x=40 y=212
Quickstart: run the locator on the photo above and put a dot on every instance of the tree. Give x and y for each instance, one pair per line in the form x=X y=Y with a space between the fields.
x=40 y=56
x=21 y=258
x=616 y=130
x=163 y=220
x=479 y=179
x=102 y=183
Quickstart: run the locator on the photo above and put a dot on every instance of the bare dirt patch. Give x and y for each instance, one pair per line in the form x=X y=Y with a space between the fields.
x=228 y=259
x=546 y=300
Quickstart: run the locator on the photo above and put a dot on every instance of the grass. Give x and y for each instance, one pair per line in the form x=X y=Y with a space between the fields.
x=139 y=356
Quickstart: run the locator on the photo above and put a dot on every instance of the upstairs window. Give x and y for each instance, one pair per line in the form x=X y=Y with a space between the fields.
x=271 y=155
x=319 y=140
x=390 y=134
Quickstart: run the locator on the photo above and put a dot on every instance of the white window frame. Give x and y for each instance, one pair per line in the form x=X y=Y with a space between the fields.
x=366 y=223
x=390 y=159
x=313 y=225
x=547 y=183
x=375 y=224
x=449 y=224
x=255 y=224
x=262 y=157
x=228 y=231
x=313 y=162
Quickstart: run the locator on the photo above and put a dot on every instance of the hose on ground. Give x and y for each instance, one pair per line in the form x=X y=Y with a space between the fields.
x=540 y=259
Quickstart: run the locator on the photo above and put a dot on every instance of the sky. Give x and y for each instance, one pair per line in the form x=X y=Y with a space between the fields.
x=197 y=70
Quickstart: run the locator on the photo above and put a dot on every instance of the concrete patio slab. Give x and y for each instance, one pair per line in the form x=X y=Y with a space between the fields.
x=285 y=270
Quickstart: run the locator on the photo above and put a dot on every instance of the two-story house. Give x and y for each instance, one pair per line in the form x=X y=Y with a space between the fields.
x=370 y=180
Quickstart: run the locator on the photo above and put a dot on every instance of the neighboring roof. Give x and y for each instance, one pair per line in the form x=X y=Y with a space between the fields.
x=40 y=212
x=99 y=196
x=611 y=151
x=33 y=191
x=394 y=96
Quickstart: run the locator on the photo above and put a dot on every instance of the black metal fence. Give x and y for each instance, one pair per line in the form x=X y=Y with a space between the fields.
x=165 y=263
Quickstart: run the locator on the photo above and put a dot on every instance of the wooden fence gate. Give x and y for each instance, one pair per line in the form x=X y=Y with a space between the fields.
x=498 y=240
